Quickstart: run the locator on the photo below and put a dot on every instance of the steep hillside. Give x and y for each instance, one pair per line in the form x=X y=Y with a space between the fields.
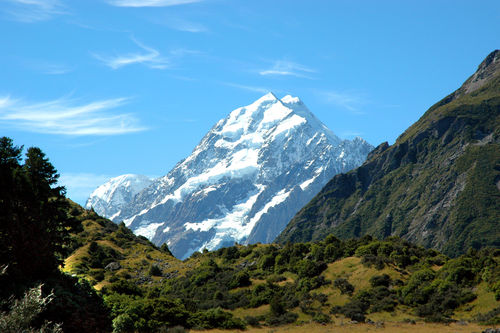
x=438 y=185
x=104 y=252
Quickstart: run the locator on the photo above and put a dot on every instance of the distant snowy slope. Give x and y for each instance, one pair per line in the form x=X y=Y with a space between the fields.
x=109 y=198
x=245 y=180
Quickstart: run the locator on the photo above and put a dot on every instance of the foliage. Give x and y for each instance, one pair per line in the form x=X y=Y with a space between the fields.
x=145 y=289
x=34 y=222
x=23 y=313
x=35 y=226
x=155 y=271
x=344 y=286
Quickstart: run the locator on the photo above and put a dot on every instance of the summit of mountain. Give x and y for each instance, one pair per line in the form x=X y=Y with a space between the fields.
x=244 y=181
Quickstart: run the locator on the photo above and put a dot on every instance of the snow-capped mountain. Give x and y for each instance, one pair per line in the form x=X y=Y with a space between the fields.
x=245 y=180
x=109 y=198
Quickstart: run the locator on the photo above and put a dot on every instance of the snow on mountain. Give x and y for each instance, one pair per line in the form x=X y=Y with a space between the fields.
x=244 y=181
x=108 y=199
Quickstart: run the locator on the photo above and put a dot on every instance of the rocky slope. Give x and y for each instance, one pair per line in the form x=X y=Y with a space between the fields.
x=438 y=185
x=244 y=181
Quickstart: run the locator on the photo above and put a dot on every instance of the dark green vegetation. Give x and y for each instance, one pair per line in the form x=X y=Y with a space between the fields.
x=274 y=285
x=140 y=287
x=35 y=230
x=278 y=284
x=437 y=186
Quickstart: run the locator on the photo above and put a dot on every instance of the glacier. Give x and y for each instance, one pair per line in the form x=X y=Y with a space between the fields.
x=249 y=175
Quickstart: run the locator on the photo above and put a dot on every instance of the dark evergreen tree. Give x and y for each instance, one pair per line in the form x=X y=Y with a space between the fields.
x=34 y=222
x=35 y=227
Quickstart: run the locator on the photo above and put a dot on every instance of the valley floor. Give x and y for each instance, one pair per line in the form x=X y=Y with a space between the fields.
x=388 y=327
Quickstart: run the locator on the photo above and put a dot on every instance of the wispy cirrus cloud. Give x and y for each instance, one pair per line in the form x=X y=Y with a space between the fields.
x=49 y=68
x=350 y=101
x=262 y=90
x=68 y=117
x=29 y=11
x=182 y=25
x=150 y=3
x=288 y=68
x=150 y=58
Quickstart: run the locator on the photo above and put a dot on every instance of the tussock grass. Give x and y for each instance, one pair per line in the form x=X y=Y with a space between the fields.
x=389 y=327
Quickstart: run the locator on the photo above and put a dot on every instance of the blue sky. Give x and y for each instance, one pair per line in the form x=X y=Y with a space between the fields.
x=107 y=87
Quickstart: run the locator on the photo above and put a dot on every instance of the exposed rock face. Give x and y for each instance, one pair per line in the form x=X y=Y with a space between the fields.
x=437 y=185
x=245 y=180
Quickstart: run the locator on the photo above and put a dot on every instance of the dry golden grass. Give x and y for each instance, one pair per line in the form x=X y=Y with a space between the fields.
x=485 y=302
x=356 y=273
x=388 y=327
x=241 y=312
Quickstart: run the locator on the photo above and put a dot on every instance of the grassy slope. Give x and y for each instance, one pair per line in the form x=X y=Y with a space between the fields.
x=340 y=327
x=136 y=255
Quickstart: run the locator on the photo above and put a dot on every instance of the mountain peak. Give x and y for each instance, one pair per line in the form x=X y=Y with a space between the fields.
x=289 y=99
x=244 y=181
x=111 y=196
x=270 y=96
x=489 y=68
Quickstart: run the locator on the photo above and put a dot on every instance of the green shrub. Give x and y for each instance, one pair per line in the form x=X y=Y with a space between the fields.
x=344 y=286
x=380 y=280
x=154 y=270
x=322 y=318
x=22 y=313
x=240 y=279
x=123 y=323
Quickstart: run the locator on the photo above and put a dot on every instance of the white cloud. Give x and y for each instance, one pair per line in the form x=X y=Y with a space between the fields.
x=150 y=3
x=67 y=117
x=352 y=102
x=184 y=25
x=150 y=58
x=80 y=185
x=262 y=90
x=54 y=69
x=288 y=68
x=48 y=68
x=30 y=11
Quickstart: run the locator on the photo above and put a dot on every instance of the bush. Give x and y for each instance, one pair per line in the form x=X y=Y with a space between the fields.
x=252 y=321
x=380 y=280
x=308 y=268
x=355 y=310
x=322 y=318
x=23 y=312
x=277 y=307
x=267 y=262
x=215 y=318
x=286 y=318
x=123 y=287
x=240 y=279
x=123 y=323
x=344 y=286
x=155 y=271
